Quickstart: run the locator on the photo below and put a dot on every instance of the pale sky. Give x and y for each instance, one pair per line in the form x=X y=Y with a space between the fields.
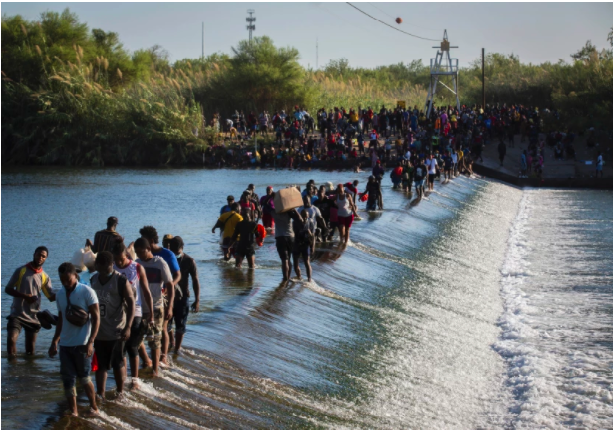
x=537 y=32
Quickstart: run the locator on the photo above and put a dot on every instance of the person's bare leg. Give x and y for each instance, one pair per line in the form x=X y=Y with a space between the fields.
x=347 y=234
x=120 y=378
x=171 y=339
x=297 y=267
x=309 y=270
x=155 y=354
x=239 y=261
x=142 y=351
x=134 y=366
x=91 y=395
x=286 y=267
x=11 y=343
x=251 y=262
x=72 y=405
x=164 y=350
x=101 y=376
x=30 y=342
x=178 y=342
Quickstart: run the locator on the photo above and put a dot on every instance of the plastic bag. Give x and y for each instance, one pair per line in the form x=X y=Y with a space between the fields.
x=77 y=260
x=89 y=258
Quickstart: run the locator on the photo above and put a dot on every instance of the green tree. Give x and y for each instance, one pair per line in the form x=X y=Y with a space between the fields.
x=258 y=76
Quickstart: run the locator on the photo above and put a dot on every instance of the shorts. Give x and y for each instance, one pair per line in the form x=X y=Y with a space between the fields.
x=345 y=221
x=245 y=251
x=285 y=245
x=301 y=249
x=109 y=354
x=419 y=183
x=180 y=311
x=137 y=334
x=431 y=177
x=268 y=221
x=18 y=324
x=226 y=242
x=74 y=363
x=156 y=331
x=406 y=183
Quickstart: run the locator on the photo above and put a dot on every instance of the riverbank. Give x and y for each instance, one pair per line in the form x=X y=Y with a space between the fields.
x=556 y=173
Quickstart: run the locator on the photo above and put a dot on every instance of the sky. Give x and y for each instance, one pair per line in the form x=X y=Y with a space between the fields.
x=536 y=32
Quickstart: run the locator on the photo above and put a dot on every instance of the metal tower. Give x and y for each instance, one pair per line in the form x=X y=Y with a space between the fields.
x=250 y=26
x=442 y=65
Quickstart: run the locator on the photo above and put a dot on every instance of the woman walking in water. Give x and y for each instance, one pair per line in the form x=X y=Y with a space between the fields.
x=346 y=209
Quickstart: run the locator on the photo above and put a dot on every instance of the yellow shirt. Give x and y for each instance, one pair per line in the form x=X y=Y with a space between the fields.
x=231 y=219
x=460 y=155
x=353 y=117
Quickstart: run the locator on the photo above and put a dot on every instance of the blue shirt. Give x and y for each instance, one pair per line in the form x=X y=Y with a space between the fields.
x=170 y=259
x=83 y=296
x=224 y=209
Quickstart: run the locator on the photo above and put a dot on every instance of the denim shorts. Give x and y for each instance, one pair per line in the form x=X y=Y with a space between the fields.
x=74 y=363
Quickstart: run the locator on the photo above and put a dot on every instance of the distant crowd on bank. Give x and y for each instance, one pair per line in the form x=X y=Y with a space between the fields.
x=359 y=137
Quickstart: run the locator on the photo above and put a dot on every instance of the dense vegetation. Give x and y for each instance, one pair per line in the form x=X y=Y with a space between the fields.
x=74 y=96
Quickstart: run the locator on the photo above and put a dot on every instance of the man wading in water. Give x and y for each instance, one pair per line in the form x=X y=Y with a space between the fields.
x=143 y=307
x=181 y=306
x=284 y=237
x=26 y=286
x=151 y=235
x=76 y=342
x=162 y=293
x=227 y=222
x=104 y=240
x=245 y=246
x=116 y=302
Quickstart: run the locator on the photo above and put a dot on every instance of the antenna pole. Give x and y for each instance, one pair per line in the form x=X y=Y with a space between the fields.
x=250 y=26
x=483 y=78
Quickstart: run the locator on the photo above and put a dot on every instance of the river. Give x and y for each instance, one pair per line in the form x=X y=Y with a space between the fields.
x=485 y=306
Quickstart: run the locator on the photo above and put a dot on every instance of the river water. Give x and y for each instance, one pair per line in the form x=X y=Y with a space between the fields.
x=484 y=306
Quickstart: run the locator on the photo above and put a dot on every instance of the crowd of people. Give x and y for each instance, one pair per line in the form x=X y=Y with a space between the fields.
x=135 y=295
x=360 y=137
x=138 y=292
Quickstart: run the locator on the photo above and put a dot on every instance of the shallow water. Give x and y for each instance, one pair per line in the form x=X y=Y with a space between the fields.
x=484 y=306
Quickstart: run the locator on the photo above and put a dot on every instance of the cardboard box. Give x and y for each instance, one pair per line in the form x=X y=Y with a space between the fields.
x=287 y=199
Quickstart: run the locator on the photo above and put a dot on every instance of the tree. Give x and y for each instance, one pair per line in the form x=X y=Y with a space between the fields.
x=259 y=76
x=586 y=52
x=337 y=67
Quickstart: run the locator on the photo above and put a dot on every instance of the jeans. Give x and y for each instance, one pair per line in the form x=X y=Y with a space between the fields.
x=74 y=363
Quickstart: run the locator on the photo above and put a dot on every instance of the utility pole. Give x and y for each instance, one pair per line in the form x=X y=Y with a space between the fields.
x=317 y=54
x=203 y=40
x=250 y=26
x=483 y=78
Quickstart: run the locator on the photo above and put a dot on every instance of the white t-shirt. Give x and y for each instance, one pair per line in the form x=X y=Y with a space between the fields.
x=431 y=164
x=454 y=157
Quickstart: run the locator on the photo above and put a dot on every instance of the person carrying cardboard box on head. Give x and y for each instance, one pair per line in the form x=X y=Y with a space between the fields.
x=286 y=201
